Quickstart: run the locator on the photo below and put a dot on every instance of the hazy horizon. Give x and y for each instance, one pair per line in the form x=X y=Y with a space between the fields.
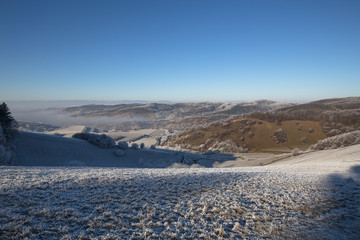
x=125 y=101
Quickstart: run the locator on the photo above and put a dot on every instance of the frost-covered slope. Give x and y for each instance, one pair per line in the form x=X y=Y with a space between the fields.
x=326 y=161
x=311 y=196
x=107 y=203
x=47 y=150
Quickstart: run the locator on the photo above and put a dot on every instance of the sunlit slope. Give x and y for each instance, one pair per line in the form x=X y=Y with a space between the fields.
x=297 y=132
x=256 y=135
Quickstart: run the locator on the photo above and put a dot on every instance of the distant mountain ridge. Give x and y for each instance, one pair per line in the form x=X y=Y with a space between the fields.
x=167 y=111
x=340 y=110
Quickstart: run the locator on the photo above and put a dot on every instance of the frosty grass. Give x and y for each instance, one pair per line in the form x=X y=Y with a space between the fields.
x=113 y=203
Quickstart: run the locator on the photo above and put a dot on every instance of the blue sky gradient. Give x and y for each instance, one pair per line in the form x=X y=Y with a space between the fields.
x=199 y=50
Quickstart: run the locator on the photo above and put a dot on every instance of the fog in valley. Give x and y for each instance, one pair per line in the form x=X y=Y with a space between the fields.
x=51 y=113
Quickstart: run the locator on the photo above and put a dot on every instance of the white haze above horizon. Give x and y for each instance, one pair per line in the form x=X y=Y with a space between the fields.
x=49 y=112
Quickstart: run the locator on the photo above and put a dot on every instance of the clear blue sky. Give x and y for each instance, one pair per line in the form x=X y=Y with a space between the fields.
x=198 y=50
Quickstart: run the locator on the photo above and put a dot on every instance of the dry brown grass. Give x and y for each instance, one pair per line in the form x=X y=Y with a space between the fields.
x=263 y=133
x=239 y=132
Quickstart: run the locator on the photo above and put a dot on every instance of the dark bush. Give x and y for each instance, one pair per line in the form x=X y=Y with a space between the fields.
x=123 y=145
x=134 y=146
x=102 y=141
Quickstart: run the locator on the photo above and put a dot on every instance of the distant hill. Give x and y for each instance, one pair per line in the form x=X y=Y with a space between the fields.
x=278 y=129
x=174 y=116
x=175 y=110
x=340 y=110
x=246 y=135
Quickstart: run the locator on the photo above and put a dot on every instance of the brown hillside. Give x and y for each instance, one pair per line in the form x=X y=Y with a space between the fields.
x=339 y=110
x=296 y=131
x=256 y=135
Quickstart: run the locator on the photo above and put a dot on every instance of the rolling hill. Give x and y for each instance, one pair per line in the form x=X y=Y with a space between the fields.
x=170 y=116
x=281 y=129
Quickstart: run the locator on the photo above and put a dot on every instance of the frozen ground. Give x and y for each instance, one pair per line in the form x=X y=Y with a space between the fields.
x=312 y=196
x=47 y=150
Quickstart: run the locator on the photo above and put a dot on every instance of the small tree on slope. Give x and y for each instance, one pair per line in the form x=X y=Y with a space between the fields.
x=8 y=124
x=8 y=131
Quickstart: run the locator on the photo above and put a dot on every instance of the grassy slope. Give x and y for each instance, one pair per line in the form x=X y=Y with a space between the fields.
x=263 y=132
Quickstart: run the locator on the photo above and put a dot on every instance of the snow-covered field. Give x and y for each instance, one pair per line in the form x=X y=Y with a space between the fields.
x=68 y=131
x=291 y=199
x=47 y=150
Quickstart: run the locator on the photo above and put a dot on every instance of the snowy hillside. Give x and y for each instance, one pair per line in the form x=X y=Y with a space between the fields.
x=311 y=196
x=281 y=201
x=48 y=150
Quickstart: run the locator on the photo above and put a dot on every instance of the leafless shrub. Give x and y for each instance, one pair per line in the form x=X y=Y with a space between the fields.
x=227 y=146
x=279 y=136
x=334 y=132
x=295 y=152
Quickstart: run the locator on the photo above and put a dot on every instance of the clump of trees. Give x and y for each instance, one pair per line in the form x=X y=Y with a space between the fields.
x=279 y=136
x=8 y=132
x=134 y=146
x=102 y=141
x=122 y=145
x=228 y=146
x=338 y=141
